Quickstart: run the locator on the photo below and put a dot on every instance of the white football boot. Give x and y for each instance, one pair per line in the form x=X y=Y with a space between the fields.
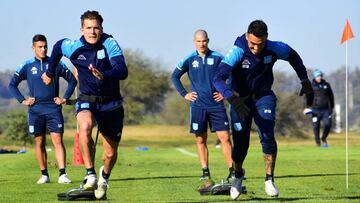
x=90 y=182
x=63 y=179
x=236 y=188
x=43 y=179
x=103 y=185
x=271 y=189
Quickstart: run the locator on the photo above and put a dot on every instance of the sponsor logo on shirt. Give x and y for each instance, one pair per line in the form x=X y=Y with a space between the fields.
x=246 y=64
x=195 y=64
x=81 y=57
x=267 y=59
x=210 y=61
x=33 y=70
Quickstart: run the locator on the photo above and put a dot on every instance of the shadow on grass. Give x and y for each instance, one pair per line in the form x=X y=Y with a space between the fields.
x=307 y=175
x=152 y=178
x=273 y=199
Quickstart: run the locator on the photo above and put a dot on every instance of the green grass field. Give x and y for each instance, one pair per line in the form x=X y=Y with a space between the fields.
x=304 y=173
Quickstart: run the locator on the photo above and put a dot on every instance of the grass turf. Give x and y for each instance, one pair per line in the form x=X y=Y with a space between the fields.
x=304 y=173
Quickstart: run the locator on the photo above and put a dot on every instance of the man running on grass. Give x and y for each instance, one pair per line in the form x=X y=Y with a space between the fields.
x=100 y=65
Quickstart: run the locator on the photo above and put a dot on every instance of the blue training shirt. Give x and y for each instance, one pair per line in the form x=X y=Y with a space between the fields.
x=106 y=56
x=44 y=95
x=201 y=73
x=253 y=74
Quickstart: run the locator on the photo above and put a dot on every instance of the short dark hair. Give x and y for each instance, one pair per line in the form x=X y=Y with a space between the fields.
x=38 y=37
x=258 y=28
x=92 y=15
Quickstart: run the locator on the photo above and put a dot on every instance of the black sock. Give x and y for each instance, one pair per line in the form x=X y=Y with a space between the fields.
x=62 y=171
x=206 y=171
x=231 y=169
x=269 y=177
x=239 y=174
x=90 y=171
x=105 y=175
x=44 y=172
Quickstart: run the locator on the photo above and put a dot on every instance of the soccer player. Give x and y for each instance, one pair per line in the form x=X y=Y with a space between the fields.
x=44 y=105
x=250 y=62
x=206 y=106
x=100 y=65
x=322 y=107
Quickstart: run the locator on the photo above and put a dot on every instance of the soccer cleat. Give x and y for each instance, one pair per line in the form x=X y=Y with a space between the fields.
x=236 y=188
x=90 y=182
x=271 y=189
x=103 y=185
x=63 y=179
x=325 y=145
x=43 y=179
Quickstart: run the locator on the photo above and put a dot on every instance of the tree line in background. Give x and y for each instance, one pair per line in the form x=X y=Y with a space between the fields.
x=149 y=98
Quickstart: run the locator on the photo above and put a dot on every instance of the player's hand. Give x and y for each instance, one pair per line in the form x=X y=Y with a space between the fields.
x=29 y=101
x=218 y=97
x=239 y=106
x=96 y=73
x=47 y=80
x=191 y=96
x=307 y=89
x=59 y=101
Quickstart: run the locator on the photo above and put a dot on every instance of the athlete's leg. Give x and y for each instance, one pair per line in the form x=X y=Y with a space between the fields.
x=202 y=149
x=86 y=123
x=226 y=146
x=60 y=153
x=264 y=117
x=41 y=155
x=327 y=125
x=316 y=128
x=241 y=138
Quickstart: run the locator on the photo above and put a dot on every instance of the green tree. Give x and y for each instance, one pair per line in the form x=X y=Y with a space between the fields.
x=17 y=127
x=145 y=89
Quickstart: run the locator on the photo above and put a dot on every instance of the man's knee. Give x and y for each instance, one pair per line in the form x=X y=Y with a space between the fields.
x=223 y=136
x=201 y=138
x=110 y=154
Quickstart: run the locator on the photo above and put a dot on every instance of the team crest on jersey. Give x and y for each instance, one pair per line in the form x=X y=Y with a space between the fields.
x=246 y=64
x=195 y=64
x=267 y=59
x=210 y=61
x=325 y=86
x=101 y=54
x=34 y=70
x=81 y=57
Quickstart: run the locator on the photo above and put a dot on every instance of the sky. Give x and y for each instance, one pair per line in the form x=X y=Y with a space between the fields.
x=163 y=29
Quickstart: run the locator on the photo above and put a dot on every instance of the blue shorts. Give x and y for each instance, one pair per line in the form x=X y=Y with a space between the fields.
x=199 y=119
x=109 y=121
x=38 y=122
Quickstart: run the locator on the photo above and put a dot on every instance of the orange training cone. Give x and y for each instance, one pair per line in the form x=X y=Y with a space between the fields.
x=78 y=159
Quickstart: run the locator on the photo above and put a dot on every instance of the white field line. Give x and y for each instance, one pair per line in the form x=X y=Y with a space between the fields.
x=184 y=151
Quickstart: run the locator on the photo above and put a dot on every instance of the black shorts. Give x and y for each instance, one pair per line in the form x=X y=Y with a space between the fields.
x=38 y=123
x=200 y=118
x=110 y=122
